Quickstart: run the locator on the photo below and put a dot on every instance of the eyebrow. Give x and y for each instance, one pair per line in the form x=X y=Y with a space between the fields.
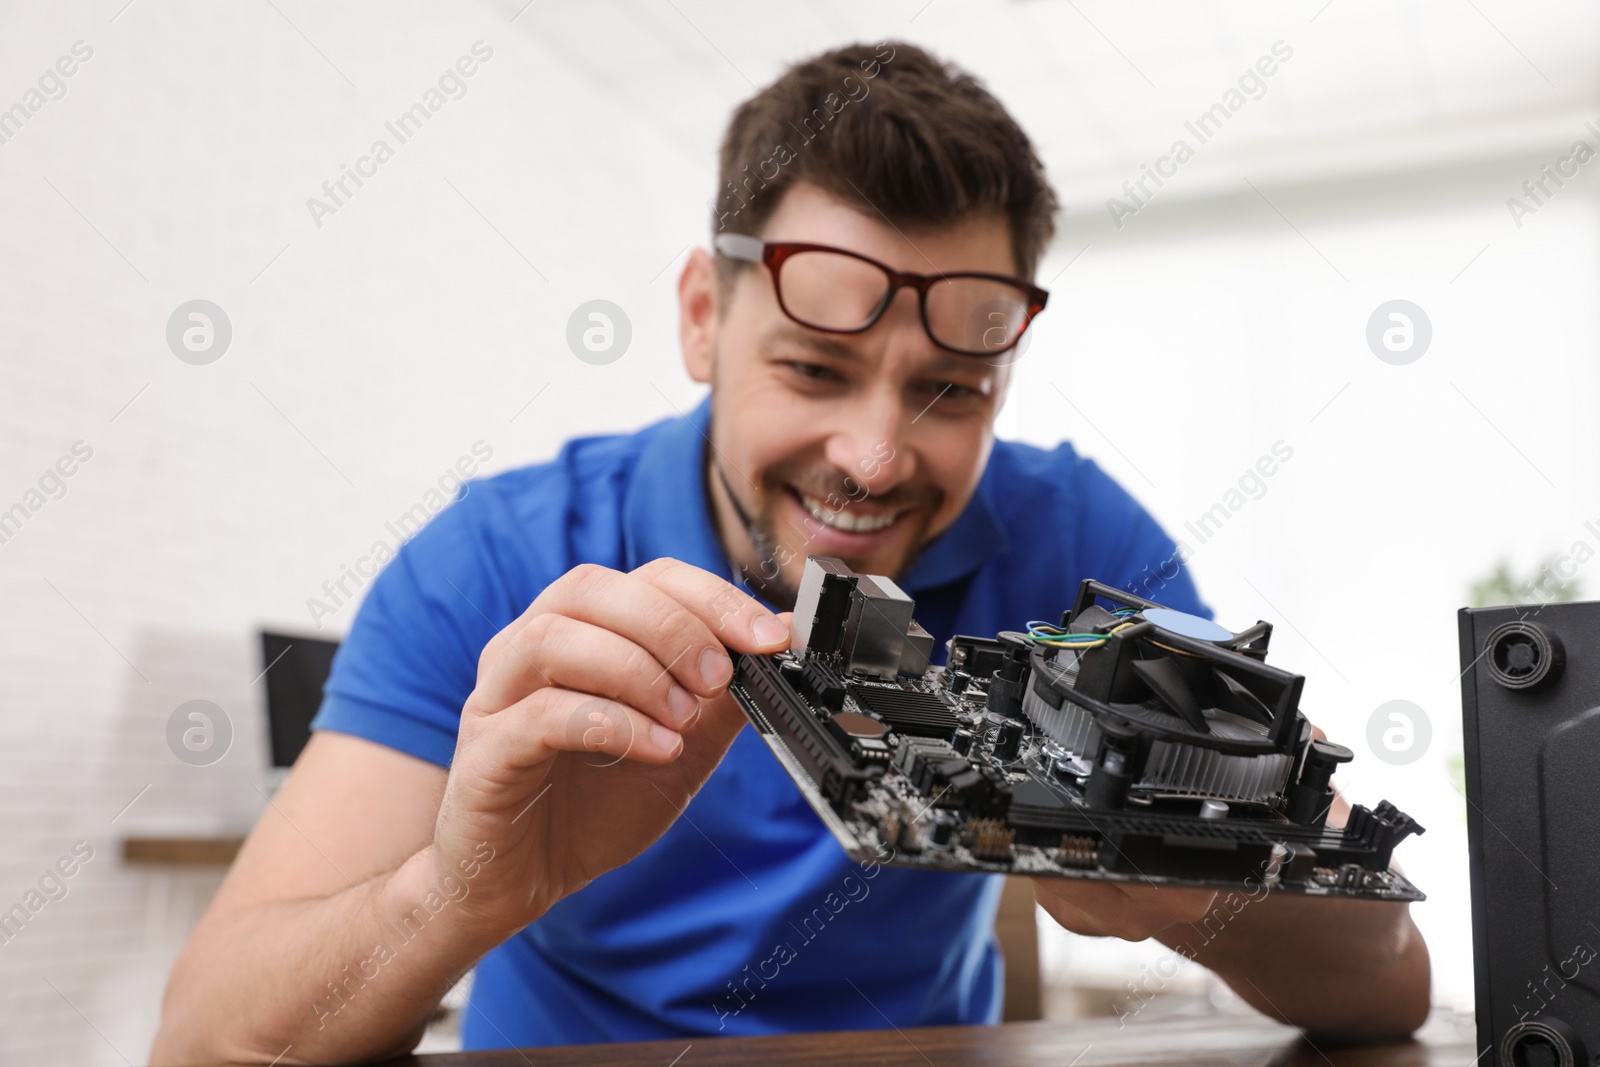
x=828 y=346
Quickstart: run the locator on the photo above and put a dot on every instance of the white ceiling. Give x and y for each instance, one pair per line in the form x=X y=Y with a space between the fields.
x=1103 y=87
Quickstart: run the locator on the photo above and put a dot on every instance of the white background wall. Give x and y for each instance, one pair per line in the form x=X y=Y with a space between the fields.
x=372 y=352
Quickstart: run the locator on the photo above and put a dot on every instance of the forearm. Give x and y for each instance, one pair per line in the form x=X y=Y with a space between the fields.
x=1343 y=967
x=345 y=978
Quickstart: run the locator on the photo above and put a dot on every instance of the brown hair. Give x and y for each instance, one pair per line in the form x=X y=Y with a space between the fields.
x=887 y=128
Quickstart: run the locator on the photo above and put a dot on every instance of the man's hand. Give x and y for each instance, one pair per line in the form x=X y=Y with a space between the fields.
x=1117 y=909
x=1354 y=968
x=597 y=716
x=376 y=879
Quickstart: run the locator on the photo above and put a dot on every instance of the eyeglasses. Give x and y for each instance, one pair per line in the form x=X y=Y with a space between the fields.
x=838 y=291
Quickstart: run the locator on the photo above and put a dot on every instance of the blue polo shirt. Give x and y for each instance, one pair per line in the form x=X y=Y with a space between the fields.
x=746 y=917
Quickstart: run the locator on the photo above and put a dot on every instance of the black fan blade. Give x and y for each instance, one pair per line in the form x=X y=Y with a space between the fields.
x=1093 y=617
x=1166 y=681
x=1234 y=697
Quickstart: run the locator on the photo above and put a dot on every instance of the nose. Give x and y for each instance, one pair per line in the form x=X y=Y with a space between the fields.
x=870 y=444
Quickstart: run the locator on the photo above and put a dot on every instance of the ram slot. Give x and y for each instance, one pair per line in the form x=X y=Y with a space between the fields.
x=792 y=719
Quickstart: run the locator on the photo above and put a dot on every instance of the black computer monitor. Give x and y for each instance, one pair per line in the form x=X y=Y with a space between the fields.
x=296 y=667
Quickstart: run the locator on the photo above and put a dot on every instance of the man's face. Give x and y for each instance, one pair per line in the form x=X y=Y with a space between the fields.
x=860 y=446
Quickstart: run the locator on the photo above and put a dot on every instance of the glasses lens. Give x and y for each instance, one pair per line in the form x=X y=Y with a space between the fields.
x=830 y=291
x=977 y=315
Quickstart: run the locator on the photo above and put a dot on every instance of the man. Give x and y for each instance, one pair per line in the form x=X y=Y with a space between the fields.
x=527 y=760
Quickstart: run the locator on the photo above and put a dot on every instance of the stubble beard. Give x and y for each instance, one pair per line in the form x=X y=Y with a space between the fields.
x=768 y=580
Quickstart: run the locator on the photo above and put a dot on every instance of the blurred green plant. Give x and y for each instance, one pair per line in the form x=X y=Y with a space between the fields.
x=1541 y=585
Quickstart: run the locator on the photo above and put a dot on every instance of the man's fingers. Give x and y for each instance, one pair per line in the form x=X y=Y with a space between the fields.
x=656 y=639
x=637 y=609
x=554 y=720
x=585 y=658
x=738 y=619
x=1110 y=909
x=1177 y=905
x=1081 y=906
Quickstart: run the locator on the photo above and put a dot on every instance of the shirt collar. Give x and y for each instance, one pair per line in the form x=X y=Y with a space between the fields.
x=666 y=511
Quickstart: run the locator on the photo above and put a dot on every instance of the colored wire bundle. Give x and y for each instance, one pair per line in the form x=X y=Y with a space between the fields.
x=1043 y=633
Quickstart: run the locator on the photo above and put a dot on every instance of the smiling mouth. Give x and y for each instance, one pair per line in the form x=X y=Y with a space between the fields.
x=843 y=519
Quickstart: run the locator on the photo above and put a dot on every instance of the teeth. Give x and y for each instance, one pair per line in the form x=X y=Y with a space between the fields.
x=843 y=520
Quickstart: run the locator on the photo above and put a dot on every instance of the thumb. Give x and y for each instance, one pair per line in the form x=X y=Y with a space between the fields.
x=719 y=722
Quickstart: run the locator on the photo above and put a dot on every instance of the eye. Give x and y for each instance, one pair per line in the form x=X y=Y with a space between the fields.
x=815 y=372
x=950 y=391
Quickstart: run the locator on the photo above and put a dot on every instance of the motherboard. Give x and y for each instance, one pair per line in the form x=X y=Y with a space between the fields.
x=1125 y=742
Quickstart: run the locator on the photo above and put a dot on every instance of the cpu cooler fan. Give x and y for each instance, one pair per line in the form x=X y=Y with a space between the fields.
x=1128 y=742
x=1183 y=707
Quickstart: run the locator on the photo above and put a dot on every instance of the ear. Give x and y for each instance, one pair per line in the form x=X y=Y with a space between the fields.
x=698 y=314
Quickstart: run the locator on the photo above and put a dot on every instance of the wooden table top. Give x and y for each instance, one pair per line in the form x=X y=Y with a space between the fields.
x=1447 y=1040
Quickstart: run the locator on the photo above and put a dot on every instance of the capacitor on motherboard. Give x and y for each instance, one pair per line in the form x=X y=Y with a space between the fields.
x=1008 y=683
x=1008 y=740
x=1113 y=772
x=1310 y=798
